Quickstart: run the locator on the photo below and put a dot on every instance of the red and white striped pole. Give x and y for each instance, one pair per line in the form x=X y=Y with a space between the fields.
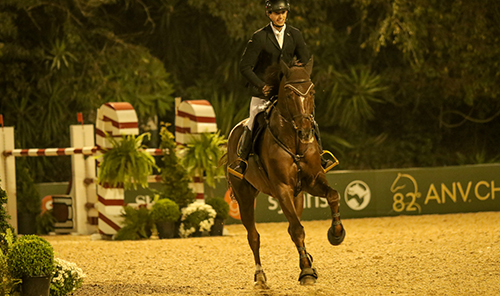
x=115 y=119
x=65 y=151
x=192 y=119
x=51 y=151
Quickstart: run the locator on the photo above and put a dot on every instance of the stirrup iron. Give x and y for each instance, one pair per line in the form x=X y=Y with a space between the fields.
x=334 y=162
x=238 y=163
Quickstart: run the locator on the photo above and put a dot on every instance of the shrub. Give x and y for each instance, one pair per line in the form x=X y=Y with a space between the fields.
x=45 y=222
x=220 y=206
x=28 y=197
x=30 y=256
x=4 y=225
x=165 y=210
x=3 y=213
x=4 y=273
x=137 y=224
x=174 y=176
x=7 y=283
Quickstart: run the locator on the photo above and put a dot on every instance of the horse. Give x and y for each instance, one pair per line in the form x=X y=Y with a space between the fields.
x=285 y=162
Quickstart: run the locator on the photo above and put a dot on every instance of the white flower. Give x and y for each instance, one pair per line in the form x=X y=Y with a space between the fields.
x=204 y=225
x=66 y=277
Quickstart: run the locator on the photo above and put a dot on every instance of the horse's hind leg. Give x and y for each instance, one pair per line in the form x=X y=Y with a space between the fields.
x=245 y=195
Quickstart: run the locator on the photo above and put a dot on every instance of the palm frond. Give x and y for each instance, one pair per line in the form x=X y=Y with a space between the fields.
x=203 y=154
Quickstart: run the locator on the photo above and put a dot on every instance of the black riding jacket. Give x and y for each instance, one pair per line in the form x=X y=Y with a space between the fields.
x=263 y=51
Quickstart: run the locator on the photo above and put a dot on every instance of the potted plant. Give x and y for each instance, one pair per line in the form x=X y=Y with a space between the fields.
x=201 y=157
x=7 y=282
x=127 y=163
x=28 y=200
x=67 y=278
x=174 y=176
x=164 y=214
x=31 y=259
x=196 y=218
x=221 y=207
x=46 y=222
x=137 y=224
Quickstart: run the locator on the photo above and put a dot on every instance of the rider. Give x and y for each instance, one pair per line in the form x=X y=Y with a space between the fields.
x=268 y=46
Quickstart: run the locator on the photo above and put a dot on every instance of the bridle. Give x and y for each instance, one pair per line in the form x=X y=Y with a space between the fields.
x=290 y=85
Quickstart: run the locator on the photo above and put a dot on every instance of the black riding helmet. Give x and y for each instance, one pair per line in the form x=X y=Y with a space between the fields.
x=277 y=5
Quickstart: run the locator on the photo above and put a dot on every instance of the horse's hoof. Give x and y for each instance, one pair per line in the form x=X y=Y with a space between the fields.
x=308 y=276
x=260 y=280
x=261 y=286
x=333 y=239
x=308 y=280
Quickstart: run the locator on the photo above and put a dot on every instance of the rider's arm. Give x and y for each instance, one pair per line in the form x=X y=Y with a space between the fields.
x=249 y=60
x=301 y=51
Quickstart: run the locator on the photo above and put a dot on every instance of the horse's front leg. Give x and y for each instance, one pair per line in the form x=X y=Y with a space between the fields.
x=292 y=208
x=336 y=232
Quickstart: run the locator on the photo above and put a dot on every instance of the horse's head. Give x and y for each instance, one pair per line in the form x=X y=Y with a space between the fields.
x=296 y=99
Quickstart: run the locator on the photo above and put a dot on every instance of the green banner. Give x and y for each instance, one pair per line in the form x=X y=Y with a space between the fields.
x=396 y=192
x=375 y=193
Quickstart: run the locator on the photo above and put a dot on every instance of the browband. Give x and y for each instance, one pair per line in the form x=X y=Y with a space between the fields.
x=298 y=91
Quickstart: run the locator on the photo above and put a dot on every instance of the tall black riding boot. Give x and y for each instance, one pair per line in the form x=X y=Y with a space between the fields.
x=239 y=166
x=328 y=161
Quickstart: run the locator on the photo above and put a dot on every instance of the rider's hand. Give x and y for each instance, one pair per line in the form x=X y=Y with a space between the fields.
x=266 y=89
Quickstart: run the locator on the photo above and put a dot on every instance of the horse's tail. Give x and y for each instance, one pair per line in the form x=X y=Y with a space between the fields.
x=223 y=161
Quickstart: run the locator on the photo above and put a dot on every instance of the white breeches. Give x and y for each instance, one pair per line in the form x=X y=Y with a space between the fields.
x=257 y=105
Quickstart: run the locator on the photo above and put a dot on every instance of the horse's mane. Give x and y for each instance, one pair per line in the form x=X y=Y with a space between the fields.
x=274 y=75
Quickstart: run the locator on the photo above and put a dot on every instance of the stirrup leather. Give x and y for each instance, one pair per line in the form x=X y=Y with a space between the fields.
x=335 y=161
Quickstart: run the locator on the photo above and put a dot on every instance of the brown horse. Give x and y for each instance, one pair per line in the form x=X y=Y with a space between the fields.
x=285 y=162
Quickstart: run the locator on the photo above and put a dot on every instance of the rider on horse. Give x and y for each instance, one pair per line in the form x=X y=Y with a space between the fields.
x=268 y=46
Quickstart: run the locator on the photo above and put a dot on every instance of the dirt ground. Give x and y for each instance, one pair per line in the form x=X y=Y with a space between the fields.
x=408 y=255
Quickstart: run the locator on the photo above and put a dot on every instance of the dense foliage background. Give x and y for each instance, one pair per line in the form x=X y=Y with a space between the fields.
x=399 y=83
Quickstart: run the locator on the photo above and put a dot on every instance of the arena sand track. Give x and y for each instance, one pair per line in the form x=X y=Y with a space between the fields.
x=408 y=255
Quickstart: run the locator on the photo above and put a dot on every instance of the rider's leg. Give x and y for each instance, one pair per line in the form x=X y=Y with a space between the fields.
x=239 y=167
x=328 y=161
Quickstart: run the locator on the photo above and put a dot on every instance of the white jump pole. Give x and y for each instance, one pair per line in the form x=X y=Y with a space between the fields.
x=83 y=168
x=8 y=173
x=116 y=119
x=83 y=188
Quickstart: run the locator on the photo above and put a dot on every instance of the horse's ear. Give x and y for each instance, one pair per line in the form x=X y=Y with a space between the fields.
x=309 y=66
x=284 y=68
